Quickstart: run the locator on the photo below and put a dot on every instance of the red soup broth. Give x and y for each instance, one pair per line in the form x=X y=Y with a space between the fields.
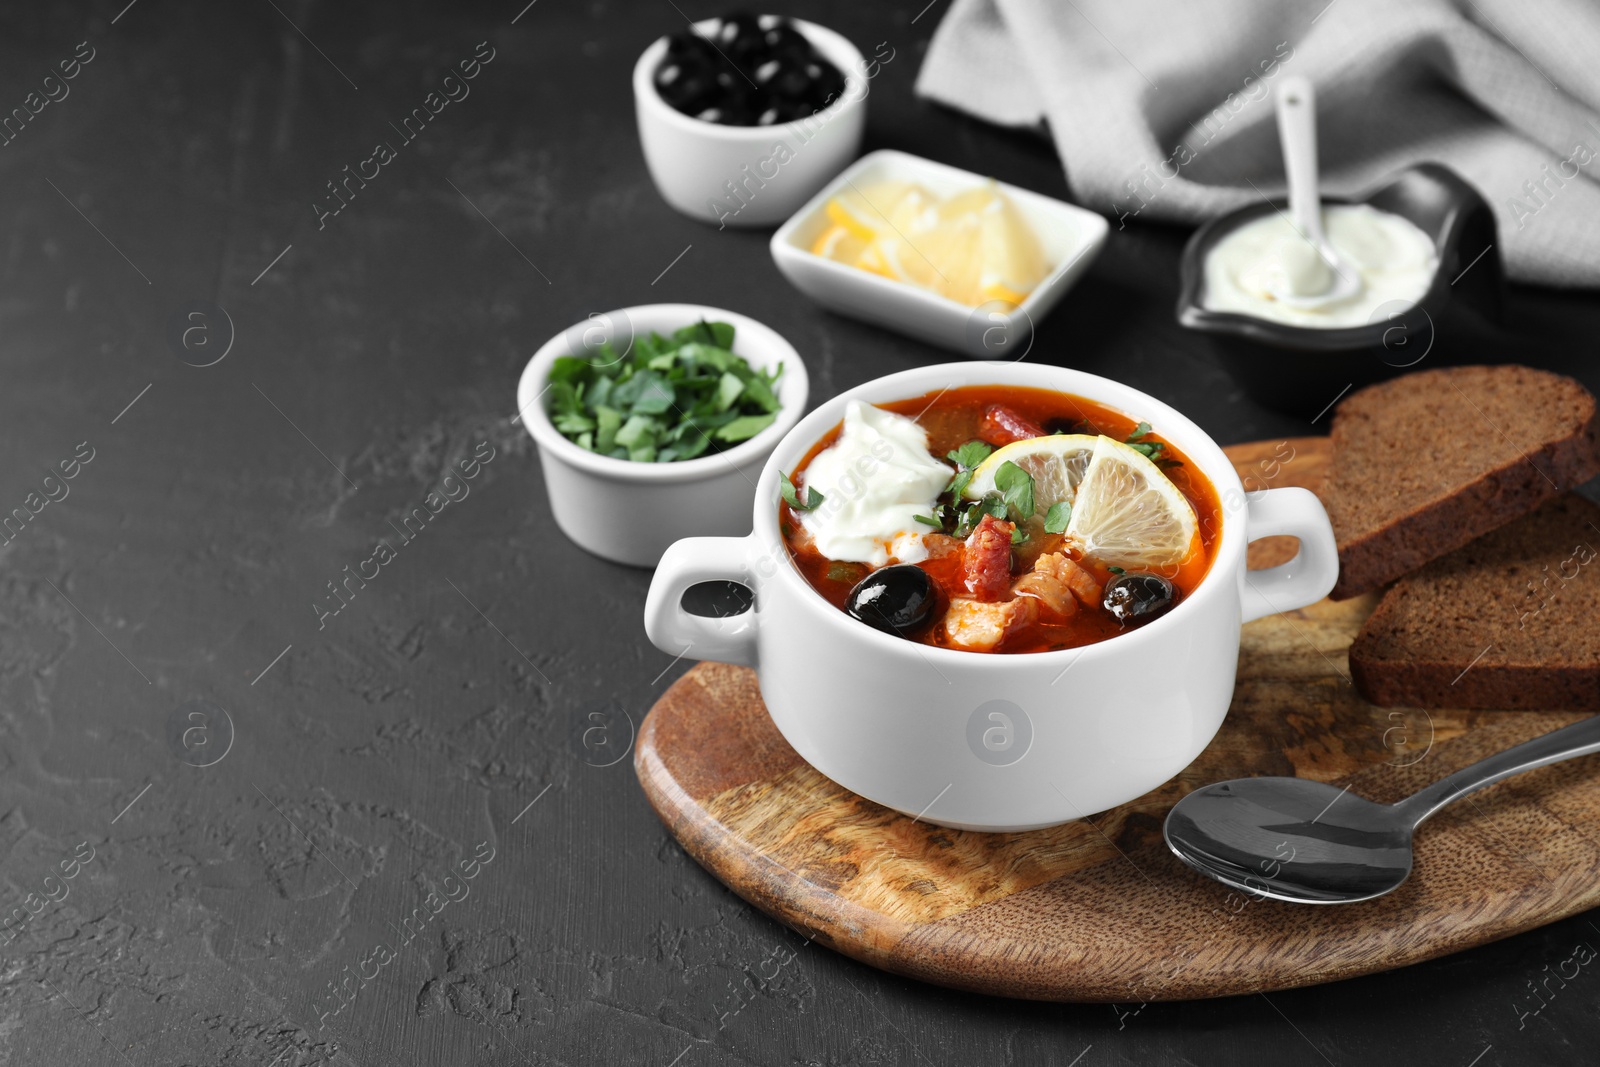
x=953 y=417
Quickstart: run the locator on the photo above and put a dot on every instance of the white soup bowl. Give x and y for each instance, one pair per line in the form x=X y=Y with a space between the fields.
x=994 y=741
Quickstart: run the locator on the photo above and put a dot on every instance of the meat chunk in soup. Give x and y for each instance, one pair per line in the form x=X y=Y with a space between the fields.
x=987 y=559
x=1002 y=426
x=981 y=626
x=1059 y=584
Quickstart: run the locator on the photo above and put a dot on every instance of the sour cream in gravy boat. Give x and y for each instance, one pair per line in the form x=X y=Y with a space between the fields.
x=994 y=741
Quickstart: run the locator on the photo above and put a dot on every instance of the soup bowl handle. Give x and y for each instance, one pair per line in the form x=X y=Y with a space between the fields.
x=1307 y=578
x=729 y=639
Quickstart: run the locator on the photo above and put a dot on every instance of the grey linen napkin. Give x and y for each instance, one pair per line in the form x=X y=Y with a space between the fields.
x=1163 y=109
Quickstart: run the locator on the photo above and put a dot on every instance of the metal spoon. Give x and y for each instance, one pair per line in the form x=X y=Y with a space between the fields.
x=1311 y=843
x=1297 y=132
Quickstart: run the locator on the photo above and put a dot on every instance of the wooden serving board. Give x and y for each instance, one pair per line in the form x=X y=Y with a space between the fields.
x=1099 y=910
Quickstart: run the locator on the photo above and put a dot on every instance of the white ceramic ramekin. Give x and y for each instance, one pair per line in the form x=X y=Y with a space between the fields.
x=630 y=512
x=1070 y=237
x=737 y=175
x=994 y=741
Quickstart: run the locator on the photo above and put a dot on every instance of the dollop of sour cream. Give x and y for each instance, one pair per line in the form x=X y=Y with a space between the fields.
x=1395 y=259
x=874 y=480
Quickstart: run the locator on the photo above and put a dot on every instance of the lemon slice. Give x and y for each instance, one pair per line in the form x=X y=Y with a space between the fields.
x=1128 y=513
x=1013 y=262
x=1057 y=463
x=987 y=252
x=872 y=259
x=856 y=216
x=906 y=263
x=972 y=248
x=838 y=243
x=881 y=208
x=953 y=254
x=915 y=208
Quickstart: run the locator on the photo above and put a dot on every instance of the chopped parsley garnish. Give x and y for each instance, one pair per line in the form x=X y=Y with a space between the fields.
x=1136 y=440
x=966 y=458
x=1057 y=518
x=970 y=455
x=955 y=515
x=1016 y=489
x=960 y=517
x=1151 y=450
x=1011 y=499
x=667 y=398
x=787 y=490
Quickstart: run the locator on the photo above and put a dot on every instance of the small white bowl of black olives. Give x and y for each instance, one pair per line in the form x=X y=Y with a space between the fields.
x=743 y=118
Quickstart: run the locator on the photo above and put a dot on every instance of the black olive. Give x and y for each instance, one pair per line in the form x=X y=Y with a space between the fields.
x=740 y=110
x=790 y=110
x=765 y=70
x=827 y=84
x=748 y=72
x=1139 y=597
x=741 y=39
x=1060 y=425
x=790 y=80
x=686 y=79
x=776 y=110
x=736 y=28
x=684 y=88
x=897 y=600
x=783 y=41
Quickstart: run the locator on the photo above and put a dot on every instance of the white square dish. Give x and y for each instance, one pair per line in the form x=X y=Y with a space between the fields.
x=1070 y=237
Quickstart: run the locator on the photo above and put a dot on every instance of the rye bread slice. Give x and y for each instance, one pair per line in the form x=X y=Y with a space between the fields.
x=1509 y=621
x=1425 y=463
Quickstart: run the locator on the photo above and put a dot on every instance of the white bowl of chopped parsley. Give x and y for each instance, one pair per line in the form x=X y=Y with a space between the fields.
x=652 y=423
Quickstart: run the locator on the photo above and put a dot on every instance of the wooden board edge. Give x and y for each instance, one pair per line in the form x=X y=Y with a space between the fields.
x=813 y=913
x=1151 y=985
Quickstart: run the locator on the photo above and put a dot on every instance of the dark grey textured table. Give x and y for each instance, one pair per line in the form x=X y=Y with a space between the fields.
x=411 y=772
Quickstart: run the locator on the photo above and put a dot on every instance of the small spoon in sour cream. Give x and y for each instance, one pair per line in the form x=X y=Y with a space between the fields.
x=1304 y=270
